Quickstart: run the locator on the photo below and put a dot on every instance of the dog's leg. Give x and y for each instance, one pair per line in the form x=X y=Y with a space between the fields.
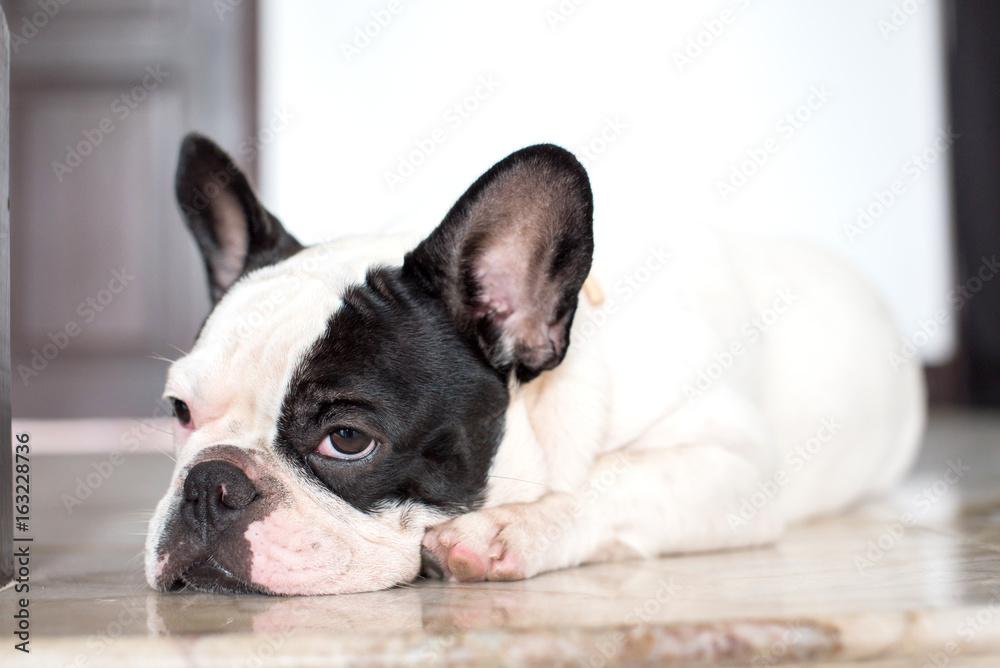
x=638 y=503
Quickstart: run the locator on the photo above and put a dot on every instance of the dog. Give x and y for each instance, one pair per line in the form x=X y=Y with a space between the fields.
x=471 y=405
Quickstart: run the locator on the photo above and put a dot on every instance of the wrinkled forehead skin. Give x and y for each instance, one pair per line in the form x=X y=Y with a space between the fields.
x=303 y=539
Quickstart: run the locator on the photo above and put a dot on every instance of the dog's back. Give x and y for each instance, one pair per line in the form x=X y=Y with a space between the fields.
x=790 y=327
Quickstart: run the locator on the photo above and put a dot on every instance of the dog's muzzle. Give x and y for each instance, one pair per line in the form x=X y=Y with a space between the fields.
x=219 y=500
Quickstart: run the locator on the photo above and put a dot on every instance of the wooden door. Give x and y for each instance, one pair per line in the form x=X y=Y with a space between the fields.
x=104 y=276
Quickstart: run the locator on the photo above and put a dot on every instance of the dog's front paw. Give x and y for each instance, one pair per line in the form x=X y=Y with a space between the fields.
x=489 y=544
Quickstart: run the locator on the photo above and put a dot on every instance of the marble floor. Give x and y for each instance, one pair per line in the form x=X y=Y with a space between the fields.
x=864 y=589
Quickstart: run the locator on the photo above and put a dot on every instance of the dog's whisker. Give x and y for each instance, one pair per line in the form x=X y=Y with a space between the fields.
x=152 y=425
x=135 y=558
x=166 y=454
x=532 y=482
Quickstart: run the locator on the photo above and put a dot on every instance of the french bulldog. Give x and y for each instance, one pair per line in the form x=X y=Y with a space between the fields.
x=473 y=403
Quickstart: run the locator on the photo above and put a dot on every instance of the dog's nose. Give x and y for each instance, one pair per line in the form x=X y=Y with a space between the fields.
x=215 y=492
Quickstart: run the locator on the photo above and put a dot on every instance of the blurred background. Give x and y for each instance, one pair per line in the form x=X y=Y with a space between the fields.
x=866 y=126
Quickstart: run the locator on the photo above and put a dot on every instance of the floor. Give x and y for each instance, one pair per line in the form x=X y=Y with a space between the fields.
x=913 y=580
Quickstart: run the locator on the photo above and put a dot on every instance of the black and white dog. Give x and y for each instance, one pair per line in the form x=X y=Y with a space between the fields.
x=352 y=409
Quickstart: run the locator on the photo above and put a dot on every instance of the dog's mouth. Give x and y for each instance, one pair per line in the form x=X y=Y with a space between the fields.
x=210 y=576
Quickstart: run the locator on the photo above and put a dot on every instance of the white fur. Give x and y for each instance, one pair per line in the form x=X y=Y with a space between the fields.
x=607 y=456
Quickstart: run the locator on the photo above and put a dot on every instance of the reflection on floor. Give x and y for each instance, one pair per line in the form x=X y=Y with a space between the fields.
x=860 y=588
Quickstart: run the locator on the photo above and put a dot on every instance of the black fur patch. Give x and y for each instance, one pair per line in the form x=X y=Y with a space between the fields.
x=392 y=364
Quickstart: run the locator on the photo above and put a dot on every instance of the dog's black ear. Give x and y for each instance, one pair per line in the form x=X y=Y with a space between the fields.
x=511 y=256
x=234 y=231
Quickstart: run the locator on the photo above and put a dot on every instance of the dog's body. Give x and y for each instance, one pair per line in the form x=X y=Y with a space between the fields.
x=347 y=403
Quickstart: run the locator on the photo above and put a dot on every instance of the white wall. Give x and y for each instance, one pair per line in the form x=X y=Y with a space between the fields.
x=677 y=129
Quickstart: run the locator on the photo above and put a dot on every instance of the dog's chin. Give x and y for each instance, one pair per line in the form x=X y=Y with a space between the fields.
x=210 y=576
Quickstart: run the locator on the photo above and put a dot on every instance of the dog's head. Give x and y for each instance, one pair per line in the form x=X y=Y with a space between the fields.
x=341 y=399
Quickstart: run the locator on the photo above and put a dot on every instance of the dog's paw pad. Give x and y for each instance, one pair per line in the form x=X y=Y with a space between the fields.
x=467 y=564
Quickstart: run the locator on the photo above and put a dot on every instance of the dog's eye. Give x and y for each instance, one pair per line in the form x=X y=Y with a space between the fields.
x=182 y=412
x=346 y=443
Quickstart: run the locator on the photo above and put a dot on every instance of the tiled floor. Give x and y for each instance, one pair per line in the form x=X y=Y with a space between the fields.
x=862 y=589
